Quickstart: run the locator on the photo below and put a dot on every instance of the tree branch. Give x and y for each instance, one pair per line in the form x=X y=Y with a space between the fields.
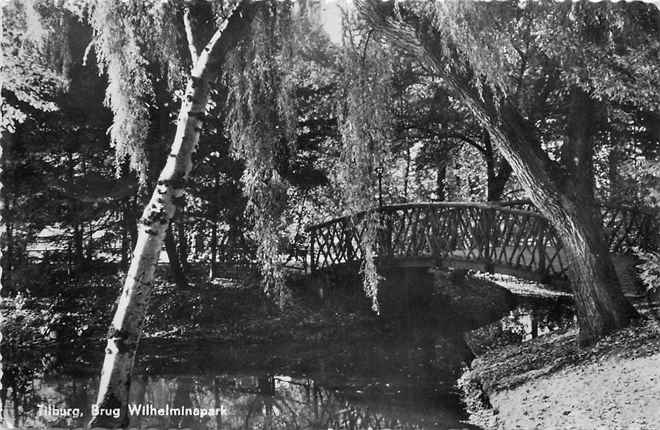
x=451 y=135
x=203 y=57
x=464 y=138
x=87 y=51
x=189 y=34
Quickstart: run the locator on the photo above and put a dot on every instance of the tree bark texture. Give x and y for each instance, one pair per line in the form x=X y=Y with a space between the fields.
x=496 y=177
x=600 y=303
x=125 y=330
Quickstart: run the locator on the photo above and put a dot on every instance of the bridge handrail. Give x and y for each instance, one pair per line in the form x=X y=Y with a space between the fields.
x=396 y=206
x=610 y=205
x=490 y=233
x=501 y=206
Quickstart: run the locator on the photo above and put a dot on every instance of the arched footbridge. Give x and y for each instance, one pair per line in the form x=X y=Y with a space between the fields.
x=508 y=238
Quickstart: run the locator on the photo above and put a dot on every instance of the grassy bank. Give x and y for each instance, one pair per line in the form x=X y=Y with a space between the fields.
x=550 y=383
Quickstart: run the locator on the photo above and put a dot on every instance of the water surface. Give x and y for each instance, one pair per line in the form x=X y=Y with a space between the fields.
x=353 y=387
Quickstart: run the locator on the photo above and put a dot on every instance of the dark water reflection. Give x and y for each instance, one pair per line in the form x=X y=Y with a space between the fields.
x=367 y=393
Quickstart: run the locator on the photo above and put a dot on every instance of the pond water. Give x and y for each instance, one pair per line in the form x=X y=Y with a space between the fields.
x=366 y=387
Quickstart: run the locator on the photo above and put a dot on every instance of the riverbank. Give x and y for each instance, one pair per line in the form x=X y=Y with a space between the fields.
x=71 y=313
x=550 y=383
x=227 y=319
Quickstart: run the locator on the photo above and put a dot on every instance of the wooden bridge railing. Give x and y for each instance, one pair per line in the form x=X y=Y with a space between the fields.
x=500 y=238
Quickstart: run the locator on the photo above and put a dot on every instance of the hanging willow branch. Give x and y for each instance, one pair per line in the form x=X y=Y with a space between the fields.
x=262 y=130
x=131 y=38
x=129 y=87
x=364 y=123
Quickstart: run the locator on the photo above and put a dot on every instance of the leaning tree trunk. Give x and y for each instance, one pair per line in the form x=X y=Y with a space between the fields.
x=125 y=330
x=600 y=303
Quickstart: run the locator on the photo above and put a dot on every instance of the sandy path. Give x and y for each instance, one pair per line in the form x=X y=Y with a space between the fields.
x=590 y=396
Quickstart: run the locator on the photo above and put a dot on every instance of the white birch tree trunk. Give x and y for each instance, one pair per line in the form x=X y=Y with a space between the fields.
x=126 y=327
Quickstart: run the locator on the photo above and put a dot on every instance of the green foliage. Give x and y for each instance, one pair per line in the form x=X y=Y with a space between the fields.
x=483 y=35
x=29 y=81
x=611 y=51
x=22 y=324
x=365 y=123
x=261 y=126
x=56 y=305
x=120 y=55
x=365 y=127
x=645 y=174
x=649 y=269
x=314 y=194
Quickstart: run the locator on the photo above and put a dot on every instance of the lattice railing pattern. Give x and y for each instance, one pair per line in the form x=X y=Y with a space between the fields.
x=626 y=227
x=493 y=235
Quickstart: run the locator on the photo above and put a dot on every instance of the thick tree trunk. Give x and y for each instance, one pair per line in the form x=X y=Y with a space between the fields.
x=601 y=305
x=497 y=183
x=126 y=327
x=496 y=178
x=577 y=158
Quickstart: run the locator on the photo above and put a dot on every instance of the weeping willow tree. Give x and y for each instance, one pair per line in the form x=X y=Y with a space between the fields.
x=499 y=59
x=131 y=40
x=262 y=121
x=121 y=57
x=365 y=127
x=128 y=35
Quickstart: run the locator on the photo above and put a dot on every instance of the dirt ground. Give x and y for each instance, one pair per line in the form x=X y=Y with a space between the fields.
x=616 y=393
x=549 y=383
